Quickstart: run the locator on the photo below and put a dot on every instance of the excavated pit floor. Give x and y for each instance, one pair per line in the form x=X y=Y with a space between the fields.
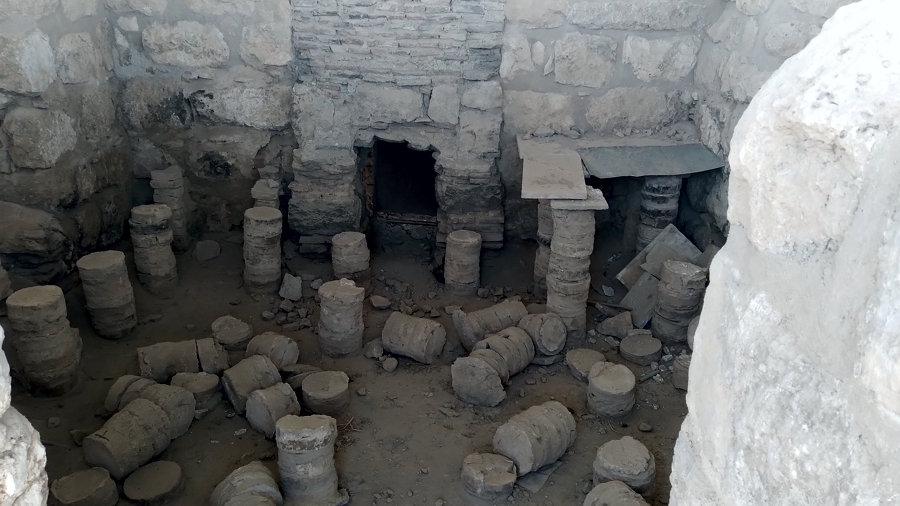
x=404 y=441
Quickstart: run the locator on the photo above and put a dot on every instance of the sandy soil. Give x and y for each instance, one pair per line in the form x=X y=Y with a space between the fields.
x=402 y=442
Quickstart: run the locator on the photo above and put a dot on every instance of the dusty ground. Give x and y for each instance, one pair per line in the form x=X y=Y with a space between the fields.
x=403 y=441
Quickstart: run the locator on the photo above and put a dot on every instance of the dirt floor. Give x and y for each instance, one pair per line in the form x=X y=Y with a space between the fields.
x=405 y=435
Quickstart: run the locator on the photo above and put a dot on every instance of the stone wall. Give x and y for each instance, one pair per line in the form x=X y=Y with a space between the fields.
x=23 y=480
x=794 y=394
x=64 y=164
x=740 y=50
x=423 y=71
x=612 y=67
x=207 y=87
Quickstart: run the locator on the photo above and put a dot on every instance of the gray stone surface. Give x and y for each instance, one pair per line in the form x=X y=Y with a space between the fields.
x=38 y=137
x=27 y=63
x=824 y=8
x=741 y=78
x=488 y=476
x=829 y=260
x=536 y=13
x=262 y=107
x=483 y=95
x=77 y=9
x=670 y=59
x=516 y=53
x=585 y=60
x=185 y=44
x=638 y=14
x=753 y=7
x=786 y=39
x=156 y=483
x=444 y=104
x=266 y=44
x=146 y=7
x=581 y=360
x=82 y=488
x=613 y=492
x=735 y=30
x=388 y=104
x=631 y=108
x=26 y=8
x=626 y=460
x=76 y=58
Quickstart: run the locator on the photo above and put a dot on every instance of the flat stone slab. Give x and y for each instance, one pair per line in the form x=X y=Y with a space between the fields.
x=595 y=201
x=642 y=299
x=156 y=483
x=550 y=171
x=91 y=487
x=638 y=161
x=671 y=238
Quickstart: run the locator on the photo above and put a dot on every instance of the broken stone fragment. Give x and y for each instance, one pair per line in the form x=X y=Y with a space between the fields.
x=488 y=476
x=614 y=492
x=91 y=487
x=581 y=360
x=155 y=483
x=244 y=484
x=538 y=436
x=610 y=390
x=267 y=406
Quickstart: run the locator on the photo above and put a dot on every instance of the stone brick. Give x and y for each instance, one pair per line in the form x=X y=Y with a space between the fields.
x=735 y=30
x=38 y=137
x=27 y=64
x=523 y=111
x=266 y=44
x=516 y=55
x=639 y=14
x=77 y=9
x=585 y=60
x=185 y=44
x=76 y=58
x=787 y=39
x=26 y=8
x=154 y=104
x=479 y=132
x=128 y=23
x=753 y=7
x=824 y=8
x=222 y=7
x=706 y=72
x=483 y=95
x=741 y=79
x=377 y=103
x=97 y=120
x=637 y=108
x=536 y=13
x=265 y=107
x=444 y=104
x=146 y=7
x=671 y=59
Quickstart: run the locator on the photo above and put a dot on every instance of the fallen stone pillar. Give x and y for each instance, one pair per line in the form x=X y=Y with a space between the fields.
x=542 y=256
x=281 y=350
x=306 y=460
x=538 y=436
x=251 y=374
x=340 y=319
x=420 y=339
x=488 y=476
x=128 y=440
x=250 y=485
x=108 y=293
x=547 y=332
x=462 y=262
x=262 y=250
x=49 y=350
x=203 y=386
x=152 y=239
x=161 y=361
x=350 y=257
x=659 y=207
x=268 y=405
x=474 y=326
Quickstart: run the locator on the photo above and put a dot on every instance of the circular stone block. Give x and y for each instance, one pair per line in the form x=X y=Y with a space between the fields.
x=475 y=381
x=610 y=390
x=488 y=476
x=156 y=483
x=613 y=492
x=581 y=360
x=91 y=487
x=628 y=461
x=640 y=347
x=326 y=392
x=231 y=333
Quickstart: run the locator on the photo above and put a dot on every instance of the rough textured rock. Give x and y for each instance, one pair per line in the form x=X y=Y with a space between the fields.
x=264 y=107
x=91 y=487
x=753 y=7
x=628 y=461
x=536 y=13
x=516 y=53
x=33 y=243
x=444 y=104
x=585 y=60
x=27 y=63
x=637 y=108
x=77 y=9
x=828 y=236
x=735 y=30
x=669 y=59
x=146 y=7
x=614 y=492
x=29 y=9
x=488 y=476
x=23 y=459
x=76 y=58
x=38 y=137
x=156 y=483
x=185 y=44
x=525 y=111
x=483 y=95
x=824 y=8
x=266 y=44
x=786 y=39
x=741 y=79
x=637 y=14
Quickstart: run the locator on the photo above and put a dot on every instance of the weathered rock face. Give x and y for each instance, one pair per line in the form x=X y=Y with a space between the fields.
x=38 y=137
x=26 y=8
x=33 y=243
x=799 y=326
x=26 y=61
x=185 y=44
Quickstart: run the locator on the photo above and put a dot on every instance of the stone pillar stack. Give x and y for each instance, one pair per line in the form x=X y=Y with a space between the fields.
x=152 y=240
x=340 y=319
x=542 y=257
x=350 y=257
x=262 y=250
x=266 y=193
x=568 y=273
x=168 y=189
x=306 y=460
x=679 y=298
x=659 y=207
x=48 y=349
x=462 y=262
x=108 y=293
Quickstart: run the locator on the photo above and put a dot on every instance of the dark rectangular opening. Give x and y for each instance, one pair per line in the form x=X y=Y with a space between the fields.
x=403 y=179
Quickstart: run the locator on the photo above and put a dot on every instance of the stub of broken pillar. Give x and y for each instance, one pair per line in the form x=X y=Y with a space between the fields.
x=659 y=207
x=350 y=257
x=49 y=350
x=108 y=293
x=262 y=250
x=152 y=239
x=168 y=188
x=542 y=256
x=306 y=460
x=340 y=319
x=462 y=262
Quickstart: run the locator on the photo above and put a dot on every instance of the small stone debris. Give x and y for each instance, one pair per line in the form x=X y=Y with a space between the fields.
x=268 y=316
x=645 y=427
x=53 y=422
x=316 y=283
x=286 y=305
x=150 y=318
x=450 y=309
x=207 y=250
x=291 y=287
x=379 y=302
x=374 y=349
x=483 y=293
x=452 y=413
x=390 y=364
x=362 y=392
